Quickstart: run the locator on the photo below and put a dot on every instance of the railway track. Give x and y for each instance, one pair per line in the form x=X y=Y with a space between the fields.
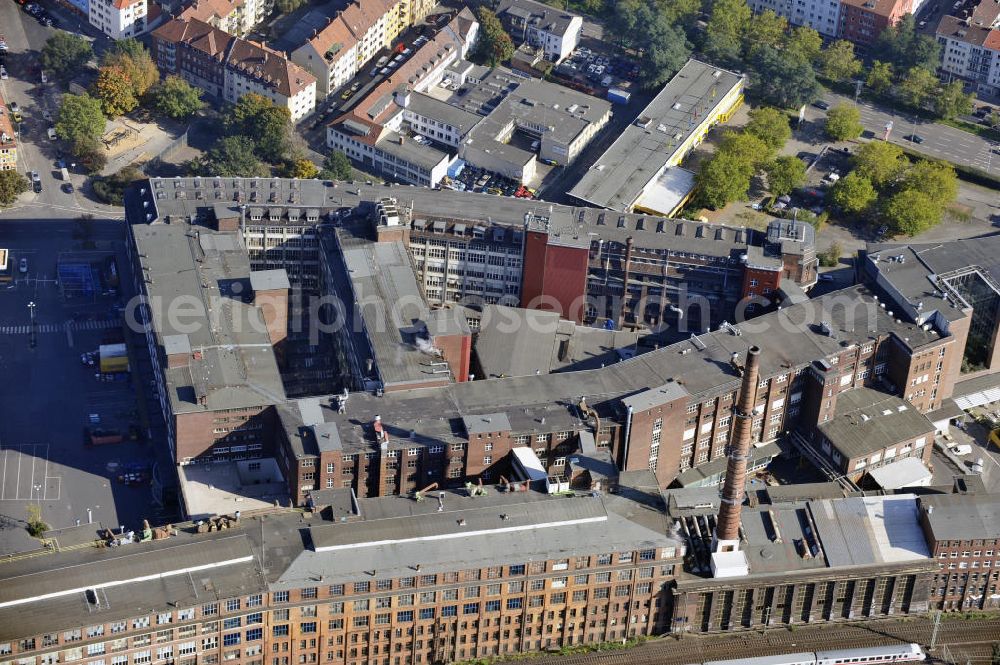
x=958 y=641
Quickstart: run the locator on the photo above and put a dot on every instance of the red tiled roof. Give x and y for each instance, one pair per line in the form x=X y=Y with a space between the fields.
x=204 y=10
x=993 y=40
x=284 y=76
x=196 y=34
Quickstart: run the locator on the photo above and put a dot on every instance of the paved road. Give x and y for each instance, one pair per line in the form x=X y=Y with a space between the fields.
x=940 y=141
x=25 y=37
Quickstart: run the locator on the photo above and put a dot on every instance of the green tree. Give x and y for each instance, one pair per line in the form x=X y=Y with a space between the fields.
x=336 y=166
x=831 y=257
x=783 y=82
x=902 y=46
x=493 y=45
x=665 y=49
x=111 y=189
x=114 y=88
x=80 y=117
x=785 y=174
x=879 y=161
x=804 y=43
x=65 y=54
x=843 y=122
x=12 y=184
x=132 y=58
x=837 y=62
x=623 y=22
x=90 y=154
x=917 y=87
x=269 y=126
x=935 y=179
x=725 y=29
x=770 y=125
x=724 y=178
x=952 y=101
x=748 y=148
x=911 y=212
x=176 y=98
x=765 y=29
x=880 y=77
x=233 y=156
x=679 y=12
x=853 y=193
x=36 y=526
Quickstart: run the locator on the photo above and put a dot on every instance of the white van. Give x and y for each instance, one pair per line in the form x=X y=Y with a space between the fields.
x=52 y=133
x=961 y=449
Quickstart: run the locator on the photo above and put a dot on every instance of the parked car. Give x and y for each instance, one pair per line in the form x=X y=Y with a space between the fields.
x=826 y=277
x=22 y=266
x=916 y=138
x=822 y=105
x=3 y=73
x=68 y=188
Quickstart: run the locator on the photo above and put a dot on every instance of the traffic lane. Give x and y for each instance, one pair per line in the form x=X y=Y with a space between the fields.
x=940 y=141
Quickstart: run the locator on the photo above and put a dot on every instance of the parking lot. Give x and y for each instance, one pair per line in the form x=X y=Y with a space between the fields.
x=53 y=394
x=596 y=67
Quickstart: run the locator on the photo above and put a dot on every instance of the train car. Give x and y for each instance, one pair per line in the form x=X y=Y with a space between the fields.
x=896 y=653
x=802 y=658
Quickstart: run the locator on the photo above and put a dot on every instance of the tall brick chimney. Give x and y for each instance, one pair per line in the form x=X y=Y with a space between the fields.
x=728 y=529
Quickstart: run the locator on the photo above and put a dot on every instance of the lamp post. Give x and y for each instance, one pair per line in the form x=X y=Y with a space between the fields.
x=31 y=338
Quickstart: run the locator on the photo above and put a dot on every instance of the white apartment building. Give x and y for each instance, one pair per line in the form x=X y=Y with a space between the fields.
x=555 y=31
x=970 y=52
x=823 y=16
x=118 y=19
x=351 y=39
x=236 y=17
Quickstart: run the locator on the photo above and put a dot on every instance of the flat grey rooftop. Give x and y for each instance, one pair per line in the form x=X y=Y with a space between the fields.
x=956 y=516
x=867 y=421
x=520 y=342
x=390 y=303
x=397 y=534
x=636 y=157
x=200 y=287
x=871 y=530
x=265 y=280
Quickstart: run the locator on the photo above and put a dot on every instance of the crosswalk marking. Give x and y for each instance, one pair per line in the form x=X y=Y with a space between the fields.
x=59 y=327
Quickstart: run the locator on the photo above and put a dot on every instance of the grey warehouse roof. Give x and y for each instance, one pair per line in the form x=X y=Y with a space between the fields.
x=637 y=156
x=867 y=421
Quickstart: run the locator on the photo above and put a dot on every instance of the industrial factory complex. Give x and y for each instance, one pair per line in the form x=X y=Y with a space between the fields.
x=414 y=428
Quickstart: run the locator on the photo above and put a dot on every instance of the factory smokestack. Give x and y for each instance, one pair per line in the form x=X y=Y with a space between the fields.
x=733 y=489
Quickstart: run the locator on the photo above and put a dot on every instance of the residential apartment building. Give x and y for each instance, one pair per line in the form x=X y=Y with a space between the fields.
x=862 y=21
x=8 y=140
x=963 y=531
x=236 y=17
x=971 y=51
x=354 y=36
x=227 y=67
x=556 y=31
x=119 y=19
x=823 y=16
x=371 y=131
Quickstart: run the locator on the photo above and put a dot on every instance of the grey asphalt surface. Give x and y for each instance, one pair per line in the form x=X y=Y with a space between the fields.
x=940 y=141
x=48 y=394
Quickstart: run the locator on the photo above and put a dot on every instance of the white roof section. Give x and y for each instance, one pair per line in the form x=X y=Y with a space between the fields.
x=528 y=463
x=908 y=472
x=668 y=191
x=979 y=398
x=870 y=530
